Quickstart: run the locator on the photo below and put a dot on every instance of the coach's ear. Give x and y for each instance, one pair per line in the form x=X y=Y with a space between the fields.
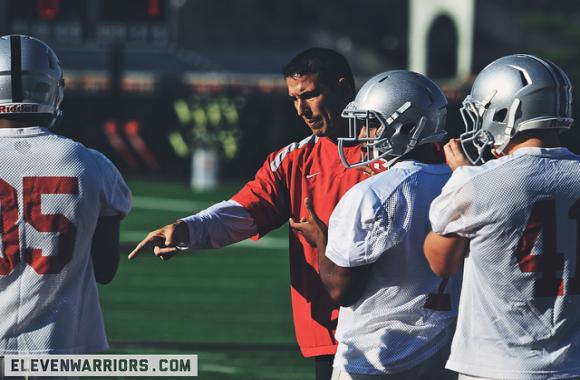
x=105 y=248
x=345 y=87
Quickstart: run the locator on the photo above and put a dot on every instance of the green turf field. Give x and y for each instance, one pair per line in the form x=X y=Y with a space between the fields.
x=229 y=306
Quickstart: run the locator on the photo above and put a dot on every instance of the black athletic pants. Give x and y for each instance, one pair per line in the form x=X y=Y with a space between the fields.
x=323 y=365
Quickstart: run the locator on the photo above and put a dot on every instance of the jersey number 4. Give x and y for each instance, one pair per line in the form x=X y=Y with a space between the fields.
x=543 y=218
x=33 y=189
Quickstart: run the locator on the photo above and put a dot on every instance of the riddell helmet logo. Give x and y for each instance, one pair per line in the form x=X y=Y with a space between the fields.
x=19 y=108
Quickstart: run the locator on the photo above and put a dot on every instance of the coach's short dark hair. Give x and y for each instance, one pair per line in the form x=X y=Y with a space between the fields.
x=327 y=63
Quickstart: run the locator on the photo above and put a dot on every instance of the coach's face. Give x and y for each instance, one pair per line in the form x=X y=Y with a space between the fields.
x=319 y=105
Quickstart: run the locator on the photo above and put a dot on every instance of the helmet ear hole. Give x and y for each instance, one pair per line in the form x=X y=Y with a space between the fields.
x=523 y=78
x=500 y=115
x=407 y=128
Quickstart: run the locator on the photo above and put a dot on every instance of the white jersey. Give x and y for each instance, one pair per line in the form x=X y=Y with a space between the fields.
x=519 y=314
x=52 y=191
x=383 y=221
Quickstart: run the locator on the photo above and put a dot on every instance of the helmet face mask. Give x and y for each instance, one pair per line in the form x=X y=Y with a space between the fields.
x=513 y=94
x=363 y=126
x=393 y=112
x=31 y=80
x=475 y=141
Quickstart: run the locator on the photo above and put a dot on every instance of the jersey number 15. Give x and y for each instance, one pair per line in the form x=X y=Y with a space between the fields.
x=33 y=189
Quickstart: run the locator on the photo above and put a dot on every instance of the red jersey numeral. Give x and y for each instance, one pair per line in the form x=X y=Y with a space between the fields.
x=33 y=189
x=550 y=262
x=9 y=228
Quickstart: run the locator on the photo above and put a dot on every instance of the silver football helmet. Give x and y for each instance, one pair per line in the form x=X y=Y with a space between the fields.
x=31 y=79
x=392 y=113
x=513 y=94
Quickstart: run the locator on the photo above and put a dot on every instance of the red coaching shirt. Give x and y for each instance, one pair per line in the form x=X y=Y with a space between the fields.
x=310 y=168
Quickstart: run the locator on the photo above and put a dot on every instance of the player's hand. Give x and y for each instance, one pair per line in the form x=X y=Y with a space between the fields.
x=454 y=155
x=367 y=170
x=312 y=228
x=375 y=167
x=166 y=241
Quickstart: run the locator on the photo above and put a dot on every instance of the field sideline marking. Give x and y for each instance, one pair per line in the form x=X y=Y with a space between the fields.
x=217 y=368
x=168 y=204
x=263 y=243
x=205 y=346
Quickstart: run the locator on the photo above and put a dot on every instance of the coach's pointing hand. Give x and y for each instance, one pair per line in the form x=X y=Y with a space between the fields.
x=312 y=228
x=166 y=241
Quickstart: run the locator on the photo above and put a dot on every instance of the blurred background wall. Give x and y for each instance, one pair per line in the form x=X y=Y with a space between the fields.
x=148 y=82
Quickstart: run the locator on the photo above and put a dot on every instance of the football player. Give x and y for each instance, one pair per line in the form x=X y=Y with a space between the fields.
x=513 y=224
x=397 y=317
x=60 y=209
x=320 y=84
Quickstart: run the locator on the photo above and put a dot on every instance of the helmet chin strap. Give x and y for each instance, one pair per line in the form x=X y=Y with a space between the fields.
x=56 y=119
x=415 y=137
x=389 y=163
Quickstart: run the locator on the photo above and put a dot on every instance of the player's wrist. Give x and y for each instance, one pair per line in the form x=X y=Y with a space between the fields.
x=321 y=243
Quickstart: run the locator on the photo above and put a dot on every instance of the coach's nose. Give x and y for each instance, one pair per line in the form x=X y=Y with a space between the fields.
x=302 y=108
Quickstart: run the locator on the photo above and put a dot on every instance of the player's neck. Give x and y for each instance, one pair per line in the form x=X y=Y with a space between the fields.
x=11 y=124
x=547 y=141
x=427 y=154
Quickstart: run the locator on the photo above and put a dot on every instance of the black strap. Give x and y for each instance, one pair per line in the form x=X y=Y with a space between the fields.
x=16 y=68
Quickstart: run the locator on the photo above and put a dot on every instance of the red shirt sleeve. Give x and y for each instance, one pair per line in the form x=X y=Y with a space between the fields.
x=266 y=196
